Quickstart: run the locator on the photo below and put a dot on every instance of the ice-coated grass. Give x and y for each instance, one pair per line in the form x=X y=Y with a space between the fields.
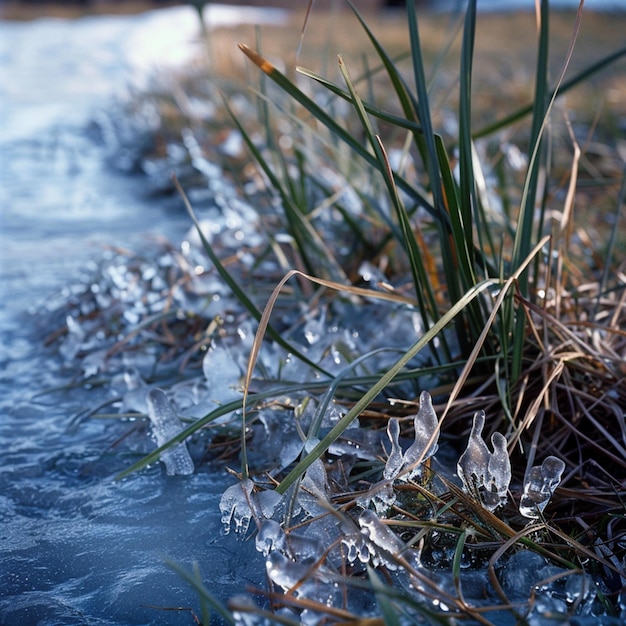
x=368 y=205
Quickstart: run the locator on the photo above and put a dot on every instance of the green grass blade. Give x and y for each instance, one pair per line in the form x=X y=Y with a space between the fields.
x=425 y=297
x=327 y=120
x=385 y=116
x=206 y=597
x=576 y=80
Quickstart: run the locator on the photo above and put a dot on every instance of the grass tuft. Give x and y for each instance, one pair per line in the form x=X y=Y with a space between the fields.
x=519 y=315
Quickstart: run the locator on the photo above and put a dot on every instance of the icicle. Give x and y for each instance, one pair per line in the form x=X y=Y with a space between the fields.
x=486 y=475
x=472 y=464
x=165 y=426
x=395 y=460
x=540 y=484
x=426 y=425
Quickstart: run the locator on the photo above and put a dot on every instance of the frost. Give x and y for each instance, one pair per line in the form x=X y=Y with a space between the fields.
x=539 y=486
x=165 y=426
x=486 y=475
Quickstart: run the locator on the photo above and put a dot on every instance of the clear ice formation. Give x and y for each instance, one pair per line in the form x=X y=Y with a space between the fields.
x=240 y=503
x=486 y=475
x=424 y=446
x=426 y=425
x=539 y=486
x=235 y=505
x=165 y=426
x=385 y=546
x=395 y=460
x=222 y=374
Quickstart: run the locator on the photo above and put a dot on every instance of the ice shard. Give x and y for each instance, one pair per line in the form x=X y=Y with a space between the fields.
x=165 y=426
x=472 y=464
x=235 y=505
x=498 y=473
x=486 y=475
x=396 y=457
x=539 y=486
x=426 y=434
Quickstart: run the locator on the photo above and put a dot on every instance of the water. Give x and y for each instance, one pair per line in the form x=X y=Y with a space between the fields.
x=76 y=547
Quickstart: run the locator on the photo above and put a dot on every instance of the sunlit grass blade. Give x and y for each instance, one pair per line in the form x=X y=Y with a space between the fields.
x=382 y=115
x=335 y=128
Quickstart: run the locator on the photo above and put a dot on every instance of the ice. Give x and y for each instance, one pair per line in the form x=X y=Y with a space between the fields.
x=498 y=473
x=223 y=375
x=271 y=537
x=386 y=546
x=426 y=427
x=135 y=398
x=408 y=465
x=313 y=487
x=165 y=426
x=539 y=486
x=240 y=503
x=396 y=457
x=520 y=574
x=486 y=475
x=285 y=572
x=74 y=340
x=235 y=506
x=472 y=464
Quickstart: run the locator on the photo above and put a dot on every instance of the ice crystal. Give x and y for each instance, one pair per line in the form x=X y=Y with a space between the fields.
x=486 y=475
x=539 y=486
x=165 y=426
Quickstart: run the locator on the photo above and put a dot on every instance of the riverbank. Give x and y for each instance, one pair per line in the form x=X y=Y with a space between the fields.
x=370 y=527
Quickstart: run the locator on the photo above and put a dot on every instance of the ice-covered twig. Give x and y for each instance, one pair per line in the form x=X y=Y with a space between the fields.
x=165 y=426
x=540 y=484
